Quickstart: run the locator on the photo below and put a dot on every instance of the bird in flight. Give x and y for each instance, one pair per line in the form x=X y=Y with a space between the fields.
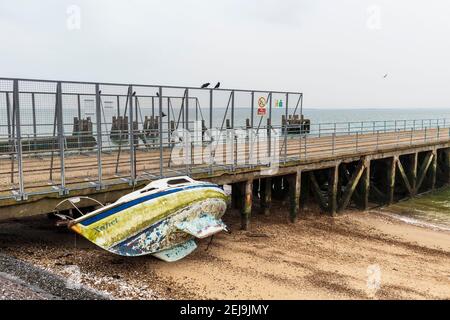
x=205 y=85
x=217 y=85
x=385 y=76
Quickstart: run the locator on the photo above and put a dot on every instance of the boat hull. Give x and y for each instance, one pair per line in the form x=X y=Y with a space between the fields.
x=151 y=224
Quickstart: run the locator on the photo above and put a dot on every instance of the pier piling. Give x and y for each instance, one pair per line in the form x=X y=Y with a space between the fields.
x=248 y=202
x=333 y=190
x=294 y=195
x=266 y=195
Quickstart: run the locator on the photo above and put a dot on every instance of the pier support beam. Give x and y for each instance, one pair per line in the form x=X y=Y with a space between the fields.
x=413 y=173
x=333 y=189
x=317 y=192
x=424 y=169
x=247 y=207
x=266 y=195
x=365 y=186
x=446 y=164
x=352 y=184
x=295 y=181
x=391 y=166
x=433 y=169
x=404 y=176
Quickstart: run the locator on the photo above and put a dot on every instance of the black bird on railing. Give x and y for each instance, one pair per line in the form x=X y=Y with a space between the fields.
x=157 y=94
x=205 y=85
x=217 y=85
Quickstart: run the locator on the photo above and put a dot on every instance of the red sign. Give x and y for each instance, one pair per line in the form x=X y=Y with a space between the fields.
x=261 y=111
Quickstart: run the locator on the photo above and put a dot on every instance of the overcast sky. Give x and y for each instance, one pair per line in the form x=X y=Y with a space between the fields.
x=336 y=52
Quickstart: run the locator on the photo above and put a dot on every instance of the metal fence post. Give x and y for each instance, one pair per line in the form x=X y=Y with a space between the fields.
x=286 y=128
x=306 y=153
x=425 y=135
x=131 y=137
x=60 y=128
x=378 y=139
x=211 y=108
x=33 y=106
x=333 y=143
x=118 y=105
x=269 y=130
x=438 y=133
x=188 y=148
x=98 y=121
x=161 y=163
x=357 y=138
x=16 y=108
x=252 y=108
x=187 y=110
x=234 y=138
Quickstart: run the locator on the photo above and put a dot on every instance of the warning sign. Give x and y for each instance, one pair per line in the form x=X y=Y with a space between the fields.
x=262 y=102
x=262 y=106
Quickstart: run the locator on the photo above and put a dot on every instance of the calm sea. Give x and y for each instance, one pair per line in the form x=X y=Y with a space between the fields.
x=45 y=116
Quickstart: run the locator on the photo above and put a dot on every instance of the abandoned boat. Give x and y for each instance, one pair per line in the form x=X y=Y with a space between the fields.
x=161 y=219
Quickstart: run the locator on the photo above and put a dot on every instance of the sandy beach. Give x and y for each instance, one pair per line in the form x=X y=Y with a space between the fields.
x=316 y=258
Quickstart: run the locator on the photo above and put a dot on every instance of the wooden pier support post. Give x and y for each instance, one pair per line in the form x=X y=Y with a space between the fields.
x=295 y=182
x=304 y=191
x=446 y=164
x=266 y=195
x=391 y=166
x=433 y=169
x=413 y=173
x=332 y=191
x=365 y=186
x=247 y=207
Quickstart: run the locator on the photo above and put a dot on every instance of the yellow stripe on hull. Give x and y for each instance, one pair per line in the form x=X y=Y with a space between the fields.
x=122 y=225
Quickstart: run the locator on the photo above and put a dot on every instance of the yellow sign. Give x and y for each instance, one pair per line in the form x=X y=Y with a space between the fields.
x=262 y=102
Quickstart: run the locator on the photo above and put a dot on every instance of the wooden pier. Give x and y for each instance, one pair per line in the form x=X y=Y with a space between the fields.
x=332 y=165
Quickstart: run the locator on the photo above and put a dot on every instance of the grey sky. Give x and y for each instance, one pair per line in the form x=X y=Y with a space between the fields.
x=336 y=52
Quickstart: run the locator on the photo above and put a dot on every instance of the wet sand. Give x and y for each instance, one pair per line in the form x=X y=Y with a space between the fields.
x=316 y=258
